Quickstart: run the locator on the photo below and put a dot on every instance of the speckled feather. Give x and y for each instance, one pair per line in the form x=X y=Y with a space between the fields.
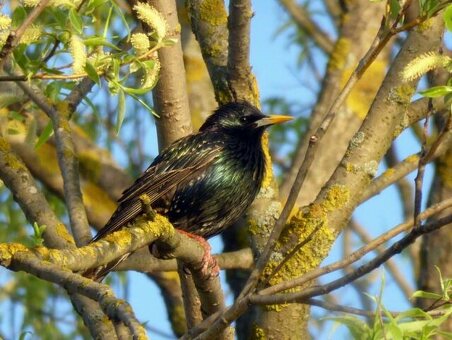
x=203 y=182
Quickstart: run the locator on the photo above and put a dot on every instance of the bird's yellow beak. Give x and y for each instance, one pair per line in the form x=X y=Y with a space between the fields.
x=270 y=120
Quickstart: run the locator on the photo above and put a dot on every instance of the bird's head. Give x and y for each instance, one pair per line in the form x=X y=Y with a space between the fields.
x=241 y=118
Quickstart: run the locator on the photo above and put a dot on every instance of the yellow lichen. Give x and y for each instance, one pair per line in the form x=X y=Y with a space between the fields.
x=177 y=316
x=445 y=169
x=388 y=173
x=424 y=25
x=63 y=233
x=9 y=158
x=90 y=165
x=340 y=53
x=8 y=250
x=351 y=168
x=336 y=197
x=313 y=225
x=195 y=67
x=213 y=12
x=402 y=94
x=258 y=333
x=412 y=159
x=48 y=159
x=268 y=163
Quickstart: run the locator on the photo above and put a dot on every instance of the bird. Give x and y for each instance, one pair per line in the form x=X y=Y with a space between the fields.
x=205 y=181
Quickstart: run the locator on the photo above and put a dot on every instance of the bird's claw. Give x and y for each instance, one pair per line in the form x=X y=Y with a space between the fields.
x=208 y=267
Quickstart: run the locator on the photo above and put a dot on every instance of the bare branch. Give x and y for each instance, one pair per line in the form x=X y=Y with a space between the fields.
x=18 y=179
x=170 y=93
x=68 y=163
x=390 y=264
x=305 y=23
x=396 y=248
x=356 y=311
x=358 y=254
x=114 y=308
x=240 y=79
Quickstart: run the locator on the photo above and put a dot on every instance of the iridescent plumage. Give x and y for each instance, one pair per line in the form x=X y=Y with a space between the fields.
x=205 y=181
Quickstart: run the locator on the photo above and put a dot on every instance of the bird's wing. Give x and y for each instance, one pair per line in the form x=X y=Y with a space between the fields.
x=163 y=176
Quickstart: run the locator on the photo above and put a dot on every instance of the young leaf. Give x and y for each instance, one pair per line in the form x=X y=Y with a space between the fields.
x=92 y=73
x=100 y=41
x=76 y=21
x=121 y=110
x=45 y=135
x=426 y=295
x=448 y=17
x=436 y=91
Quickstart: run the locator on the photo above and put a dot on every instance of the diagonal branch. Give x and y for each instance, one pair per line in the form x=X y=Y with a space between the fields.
x=67 y=161
x=394 y=249
x=301 y=17
x=358 y=254
x=74 y=283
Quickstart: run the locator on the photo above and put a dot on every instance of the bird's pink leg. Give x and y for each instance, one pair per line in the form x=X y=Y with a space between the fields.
x=209 y=265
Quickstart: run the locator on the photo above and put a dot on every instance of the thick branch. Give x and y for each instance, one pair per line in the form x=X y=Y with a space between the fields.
x=208 y=20
x=170 y=93
x=18 y=179
x=114 y=308
x=240 y=79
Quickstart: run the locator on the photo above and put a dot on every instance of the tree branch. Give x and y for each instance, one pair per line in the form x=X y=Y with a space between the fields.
x=396 y=248
x=67 y=161
x=301 y=17
x=170 y=93
x=356 y=255
x=241 y=81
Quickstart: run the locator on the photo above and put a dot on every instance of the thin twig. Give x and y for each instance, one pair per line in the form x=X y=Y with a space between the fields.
x=68 y=164
x=358 y=254
x=356 y=311
x=392 y=267
x=394 y=249
x=304 y=22
x=420 y=175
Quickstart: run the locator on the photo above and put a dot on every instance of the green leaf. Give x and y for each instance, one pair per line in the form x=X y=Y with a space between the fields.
x=76 y=21
x=142 y=102
x=448 y=17
x=121 y=110
x=169 y=41
x=100 y=41
x=394 y=8
x=38 y=232
x=45 y=135
x=92 y=73
x=436 y=91
x=426 y=295
x=357 y=327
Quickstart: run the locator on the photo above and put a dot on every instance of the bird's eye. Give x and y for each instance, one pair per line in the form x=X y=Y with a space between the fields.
x=244 y=119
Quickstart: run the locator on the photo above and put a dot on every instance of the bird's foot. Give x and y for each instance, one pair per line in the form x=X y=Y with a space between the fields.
x=209 y=266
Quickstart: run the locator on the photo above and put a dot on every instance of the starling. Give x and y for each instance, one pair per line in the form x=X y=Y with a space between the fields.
x=205 y=181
